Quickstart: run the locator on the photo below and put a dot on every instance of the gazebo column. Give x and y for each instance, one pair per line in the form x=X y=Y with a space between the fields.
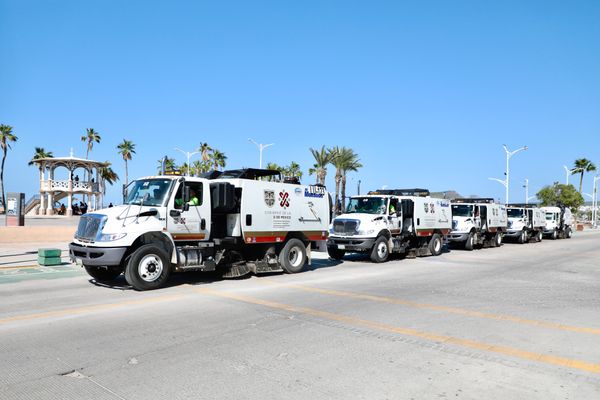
x=50 y=205
x=42 y=209
x=70 y=195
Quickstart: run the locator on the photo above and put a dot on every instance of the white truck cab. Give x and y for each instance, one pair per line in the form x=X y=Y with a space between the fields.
x=477 y=221
x=391 y=221
x=238 y=222
x=525 y=222
x=559 y=222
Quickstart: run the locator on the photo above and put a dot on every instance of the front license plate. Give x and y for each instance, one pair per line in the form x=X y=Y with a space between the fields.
x=341 y=246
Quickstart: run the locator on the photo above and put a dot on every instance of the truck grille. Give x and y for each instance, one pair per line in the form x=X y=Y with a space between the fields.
x=89 y=227
x=345 y=227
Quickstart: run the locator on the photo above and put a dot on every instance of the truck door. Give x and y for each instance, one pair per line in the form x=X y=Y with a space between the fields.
x=192 y=224
x=394 y=213
x=477 y=217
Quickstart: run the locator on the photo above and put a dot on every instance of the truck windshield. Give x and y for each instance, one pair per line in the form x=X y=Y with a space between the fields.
x=462 y=210
x=367 y=205
x=149 y=192
x=550 y=216
x=515 y=213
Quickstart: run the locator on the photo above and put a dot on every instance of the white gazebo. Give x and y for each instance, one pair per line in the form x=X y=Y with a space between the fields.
x=52 y=190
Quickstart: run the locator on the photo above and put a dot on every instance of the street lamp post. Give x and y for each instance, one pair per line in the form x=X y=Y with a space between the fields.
x=506 y=182
x=261 y=147
x=526 y=186
x=568 y=172
x=358 y=191
x=595 y=201
x=188 y=154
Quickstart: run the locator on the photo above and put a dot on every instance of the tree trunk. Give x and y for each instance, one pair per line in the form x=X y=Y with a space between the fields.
x=581 y=182
x=2 y=181
x=126 y=174
x=338 y=178
x=344 y=192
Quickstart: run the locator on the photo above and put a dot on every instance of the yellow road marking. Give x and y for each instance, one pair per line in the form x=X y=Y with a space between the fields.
x=503 y=350
x=85 y=310
x=452 y=310
x=20 y=267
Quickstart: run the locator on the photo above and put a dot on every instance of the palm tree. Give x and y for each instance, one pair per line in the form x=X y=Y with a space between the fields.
x=274 y=167
x=40 y=152
x=107 y=175
x=352 y=164
x=583 y=165
x=219 y=159
x=6 y=137
x=169 y=165
x=90 y=137
x=293 y=170
x=195 y=168
x=126 y=149
x=322 y=158
x=344 y=160
x=314 y=171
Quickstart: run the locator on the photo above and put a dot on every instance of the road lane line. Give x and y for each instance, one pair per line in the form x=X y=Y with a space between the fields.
x=503 y=350
x=452 y=310
x=88 y=309
x=20 y=267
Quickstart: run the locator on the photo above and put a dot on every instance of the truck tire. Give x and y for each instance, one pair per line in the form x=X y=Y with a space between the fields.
x=335 y=253
x=554 y=235
x=293 y=256
x=380 y=251
x=148 y=268
x=435 y=244
x=102 y=274
x=469 y=243
x=522 y=237
x=568 y=233
x=498 y=239
x=538 y=236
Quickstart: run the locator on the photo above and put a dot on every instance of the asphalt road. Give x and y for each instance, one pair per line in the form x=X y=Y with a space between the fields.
x=516 y=322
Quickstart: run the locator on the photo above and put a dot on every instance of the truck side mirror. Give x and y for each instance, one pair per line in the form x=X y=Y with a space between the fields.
x=186 y=194
x=186 y=207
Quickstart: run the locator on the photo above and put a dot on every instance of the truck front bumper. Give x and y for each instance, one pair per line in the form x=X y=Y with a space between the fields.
x=96 y=256
x=513 y=233
x=457 y=236
x=351 y=244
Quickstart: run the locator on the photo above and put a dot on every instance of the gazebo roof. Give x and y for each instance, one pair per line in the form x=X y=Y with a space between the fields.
x=69 y=162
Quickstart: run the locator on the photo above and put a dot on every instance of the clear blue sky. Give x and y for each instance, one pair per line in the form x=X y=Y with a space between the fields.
x=425 y=91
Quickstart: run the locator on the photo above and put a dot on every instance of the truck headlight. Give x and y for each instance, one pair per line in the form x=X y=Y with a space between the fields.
x=109 y=237
x=366 y=232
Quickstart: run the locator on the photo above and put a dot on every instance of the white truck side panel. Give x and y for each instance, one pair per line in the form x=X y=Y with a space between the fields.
x=496 y=216
x=539 y=218
x=278 y=208
x=431 y=213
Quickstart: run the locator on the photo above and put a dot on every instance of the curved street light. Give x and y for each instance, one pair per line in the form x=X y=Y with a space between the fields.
x=261 y=147
x=506 y=181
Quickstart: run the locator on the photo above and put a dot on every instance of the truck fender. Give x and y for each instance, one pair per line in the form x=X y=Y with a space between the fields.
x=163 y=238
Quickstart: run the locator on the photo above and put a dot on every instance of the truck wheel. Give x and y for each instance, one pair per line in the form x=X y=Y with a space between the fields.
x=568 y=233
x=148 y=268
x=554 y=235
x=335 y=253
x=522 y=237
x=498 y=239
x=293 y=256
x=104 y=274
x=435 y=244
x=380 y=251
x=468 y=243
x=538 y=236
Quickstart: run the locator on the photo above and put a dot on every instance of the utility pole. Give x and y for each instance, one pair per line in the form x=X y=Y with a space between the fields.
x=358 y=191
x=261 y=147
x=568 y=172
x=506 y=181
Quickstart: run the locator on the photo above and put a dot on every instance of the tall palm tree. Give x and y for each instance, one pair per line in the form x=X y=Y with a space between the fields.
x=352 y=164
x=274 y=167
x=90 y=137
x=338 y=161
x=322 y=158
x=107 y=175
x=219 y=159
x=126 y=149
x=196 y=168
x=582 y=165
x=6 y=137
